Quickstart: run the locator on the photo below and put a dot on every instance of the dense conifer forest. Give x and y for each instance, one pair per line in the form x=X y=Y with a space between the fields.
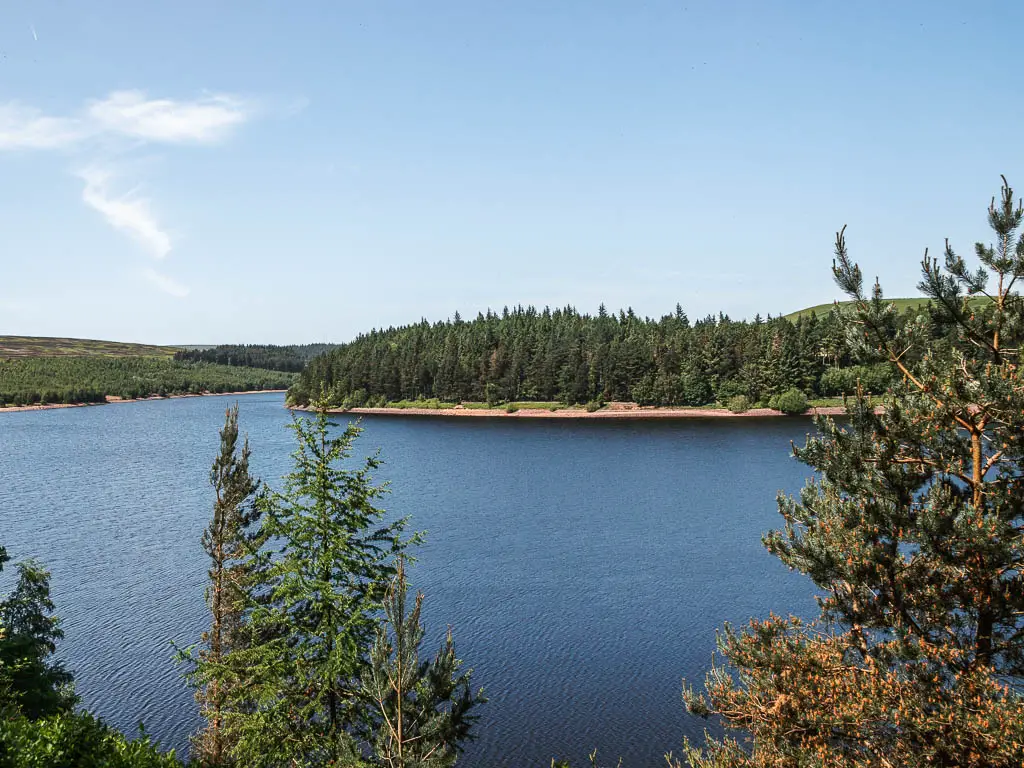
x=292 y=357
x=49 y=380
x=525 y=354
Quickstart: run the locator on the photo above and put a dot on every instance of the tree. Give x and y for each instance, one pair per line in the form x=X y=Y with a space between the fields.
x=230 y=541
x=320 y=582
x=32 y=683
x=914 y=532
x=422 y=710
x=38 y=726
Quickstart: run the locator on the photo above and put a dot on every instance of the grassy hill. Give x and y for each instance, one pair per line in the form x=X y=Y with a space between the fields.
x=41 y=346
x=56 y=370
x=901 y=304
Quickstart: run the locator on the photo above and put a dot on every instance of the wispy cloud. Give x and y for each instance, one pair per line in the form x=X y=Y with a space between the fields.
x=206 y=120
x=125 y=114
x=128 y=213
x=24 y=127
x=166 y=284
x=119 y=123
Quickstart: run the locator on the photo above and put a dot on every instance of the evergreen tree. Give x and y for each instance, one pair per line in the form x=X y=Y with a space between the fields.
x=422 y=710
x=913 y=530
x=321 y=580
x=38 y=725
x=32 y=683
x=229 y=541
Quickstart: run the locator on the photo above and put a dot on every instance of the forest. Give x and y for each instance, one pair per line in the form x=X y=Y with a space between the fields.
x=68 y=379
x=292 y=357
x=525 y=354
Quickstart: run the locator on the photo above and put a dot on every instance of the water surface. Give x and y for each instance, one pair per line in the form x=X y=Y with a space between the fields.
x=583 y=565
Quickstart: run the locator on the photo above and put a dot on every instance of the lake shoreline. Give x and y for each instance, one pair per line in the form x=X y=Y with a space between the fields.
x=112 y=400
x=572 y=413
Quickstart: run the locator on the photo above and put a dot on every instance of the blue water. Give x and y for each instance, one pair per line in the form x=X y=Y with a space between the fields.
x=583 y=566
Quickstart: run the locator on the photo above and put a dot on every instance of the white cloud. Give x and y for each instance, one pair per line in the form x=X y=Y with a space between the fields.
x=206 y=120
x=127 y=213
x=166 y=284
x=120 y=122
x=125 y=114
x=23 y=127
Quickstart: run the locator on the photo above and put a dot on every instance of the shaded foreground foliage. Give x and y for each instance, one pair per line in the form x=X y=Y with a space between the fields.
x=38 y=725
x=24 y=381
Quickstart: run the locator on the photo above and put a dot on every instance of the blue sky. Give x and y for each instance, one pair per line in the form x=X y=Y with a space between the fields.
x=197 y=172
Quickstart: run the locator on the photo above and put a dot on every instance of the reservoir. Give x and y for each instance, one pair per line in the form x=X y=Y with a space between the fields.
x=583 y=566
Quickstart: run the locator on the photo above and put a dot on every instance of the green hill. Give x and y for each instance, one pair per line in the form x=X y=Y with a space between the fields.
x=58 y=370
x=41 y=346
x=901 y=304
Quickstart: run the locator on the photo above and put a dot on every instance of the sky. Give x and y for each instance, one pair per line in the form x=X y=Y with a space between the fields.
x=270 y=172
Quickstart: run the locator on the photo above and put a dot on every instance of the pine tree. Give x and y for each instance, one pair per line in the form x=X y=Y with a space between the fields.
x=422 y=710
x=913 y=530
x=329 y=559
x=32 y=683
x=229 y=540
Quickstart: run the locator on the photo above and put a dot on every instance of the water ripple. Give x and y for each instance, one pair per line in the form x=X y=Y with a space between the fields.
x=583 y=567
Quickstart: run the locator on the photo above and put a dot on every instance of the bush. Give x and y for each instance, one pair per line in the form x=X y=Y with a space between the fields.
x=595 y=405
x=875 y=379
x=75 y=740
x=738 y=404
x=729 y=389
x=792 y=402
x=511 y=408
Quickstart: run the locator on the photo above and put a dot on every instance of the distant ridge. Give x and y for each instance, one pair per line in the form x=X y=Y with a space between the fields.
x=43 y=346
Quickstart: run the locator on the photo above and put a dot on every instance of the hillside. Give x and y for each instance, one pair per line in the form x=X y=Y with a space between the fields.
x=823 y=309
x=39 y=370
x=42 y=346
x=901 y=304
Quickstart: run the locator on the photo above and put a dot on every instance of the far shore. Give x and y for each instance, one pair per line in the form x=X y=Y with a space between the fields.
x=618 y=411
x=111 y=399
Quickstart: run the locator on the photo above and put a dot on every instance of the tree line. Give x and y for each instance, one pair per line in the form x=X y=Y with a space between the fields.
x=29 y=380
x=525 y=354
x=291 y=357
x=911 y=529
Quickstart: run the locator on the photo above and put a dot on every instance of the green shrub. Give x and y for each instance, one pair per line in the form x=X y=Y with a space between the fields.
x=75 y=740
x=511 y=408
x=792 y=402
x=595 y=405
x=729 y=389
x=875 y=379
x=738 y=403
